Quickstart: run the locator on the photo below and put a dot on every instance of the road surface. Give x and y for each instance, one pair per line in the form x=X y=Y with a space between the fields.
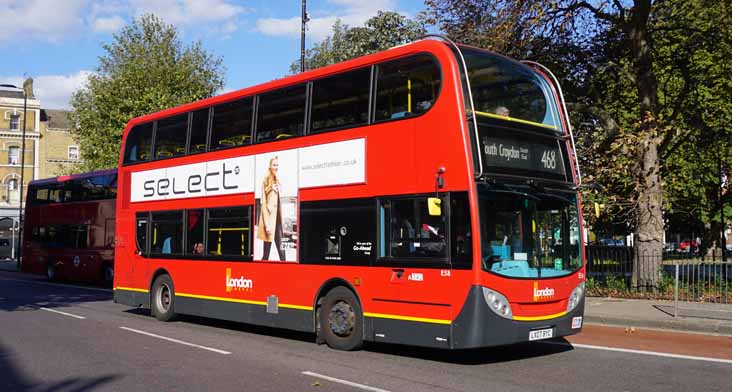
x=66 y=338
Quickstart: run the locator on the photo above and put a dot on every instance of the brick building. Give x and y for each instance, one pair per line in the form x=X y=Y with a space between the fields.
x=58 y=150
x=50 y=150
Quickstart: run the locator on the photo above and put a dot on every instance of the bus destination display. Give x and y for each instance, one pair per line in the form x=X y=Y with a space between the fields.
x=520 y=154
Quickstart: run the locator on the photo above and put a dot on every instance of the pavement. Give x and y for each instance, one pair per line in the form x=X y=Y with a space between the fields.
x=632 y=313
x=641 y=313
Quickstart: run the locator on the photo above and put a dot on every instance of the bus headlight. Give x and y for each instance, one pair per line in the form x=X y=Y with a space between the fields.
x=575 y=297
x=498 y=303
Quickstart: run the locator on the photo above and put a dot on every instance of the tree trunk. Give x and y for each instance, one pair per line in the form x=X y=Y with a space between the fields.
x=649 y=215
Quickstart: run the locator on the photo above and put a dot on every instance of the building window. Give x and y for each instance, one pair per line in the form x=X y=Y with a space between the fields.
x=13 y=155
x=74 y=152
x=14 y=122
x=13 y=191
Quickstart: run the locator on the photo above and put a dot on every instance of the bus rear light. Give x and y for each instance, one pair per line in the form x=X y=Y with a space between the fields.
x=576 y=296
x=498 y=303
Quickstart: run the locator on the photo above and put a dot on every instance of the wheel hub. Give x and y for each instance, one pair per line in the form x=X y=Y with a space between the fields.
x=164 y=297
x=342 y=319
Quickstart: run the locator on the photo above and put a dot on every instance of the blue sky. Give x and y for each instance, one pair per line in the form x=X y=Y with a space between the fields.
x=58 y=42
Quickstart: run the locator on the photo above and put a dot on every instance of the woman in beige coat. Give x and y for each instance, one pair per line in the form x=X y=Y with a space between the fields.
x=270 y=217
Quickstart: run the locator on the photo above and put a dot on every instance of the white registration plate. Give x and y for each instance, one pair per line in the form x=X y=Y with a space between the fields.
x=541 y=334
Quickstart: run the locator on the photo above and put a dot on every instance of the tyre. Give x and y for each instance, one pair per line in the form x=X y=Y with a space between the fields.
x=163 y=298
x=341 y=320
x=107 y=274
x=51 y=272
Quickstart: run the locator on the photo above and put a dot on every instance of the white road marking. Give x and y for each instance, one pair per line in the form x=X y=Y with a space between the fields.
x=63 y=313
x=344 y=382
x=642 y=352
x=58 y=284
x=176 y=340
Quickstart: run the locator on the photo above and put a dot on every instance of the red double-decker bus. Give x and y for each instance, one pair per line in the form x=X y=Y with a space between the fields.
x=69 y=227
x=424 y=195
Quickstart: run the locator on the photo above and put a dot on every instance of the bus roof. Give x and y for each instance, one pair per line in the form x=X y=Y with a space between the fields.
x=426 y=45
x=53 y=180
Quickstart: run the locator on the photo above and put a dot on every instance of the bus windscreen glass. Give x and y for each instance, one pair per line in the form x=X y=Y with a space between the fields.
x=505 y=88
x=528 y=234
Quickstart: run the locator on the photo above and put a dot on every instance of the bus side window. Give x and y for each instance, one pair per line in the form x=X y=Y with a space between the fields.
x=409 y=231
x=82 y=236
x=460 y=233
x=194 y=225
x=229 y=232
x=281 y=113
x=141 y=233
x=167 y=236
x=406 y=87
x=139 y=143
x=341 y=100
x=170 y=136
x=199 y=131
x=231 y=125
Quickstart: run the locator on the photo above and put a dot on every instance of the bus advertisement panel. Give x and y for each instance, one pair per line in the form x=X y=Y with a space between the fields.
x=423 y=195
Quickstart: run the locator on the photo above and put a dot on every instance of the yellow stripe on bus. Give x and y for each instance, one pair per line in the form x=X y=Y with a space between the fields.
x=539 y=318
x=408 y=318
x=131 y=289
x=242 y=301
x=518 y=120
x=299 y=307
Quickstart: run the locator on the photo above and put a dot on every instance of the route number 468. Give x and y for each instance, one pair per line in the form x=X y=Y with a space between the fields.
x=549 y=159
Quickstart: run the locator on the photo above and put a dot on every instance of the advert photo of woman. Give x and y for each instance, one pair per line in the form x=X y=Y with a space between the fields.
x=269 y=227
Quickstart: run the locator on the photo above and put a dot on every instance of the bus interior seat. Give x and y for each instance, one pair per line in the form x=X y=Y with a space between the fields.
x=400 y=114
x=167 y=245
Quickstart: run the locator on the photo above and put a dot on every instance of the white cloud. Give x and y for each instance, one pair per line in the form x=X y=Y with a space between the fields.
x=53 y=91
x=54 y=20
x=192 y=13
x=351 y=12
x=108 y=24
x=47 y=20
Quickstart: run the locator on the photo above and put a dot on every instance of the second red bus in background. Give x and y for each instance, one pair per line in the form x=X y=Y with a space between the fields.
x=69 y=227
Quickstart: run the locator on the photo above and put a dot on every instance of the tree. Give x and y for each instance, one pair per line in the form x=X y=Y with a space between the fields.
x=145 y=69
x=383 y=31
x=640 y=91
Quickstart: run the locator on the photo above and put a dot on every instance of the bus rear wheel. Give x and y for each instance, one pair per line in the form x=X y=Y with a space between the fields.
x=163 y=298
x=107 y=274
x=341 y=320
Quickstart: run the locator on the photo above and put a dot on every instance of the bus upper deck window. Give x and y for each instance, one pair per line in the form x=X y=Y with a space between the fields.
x=170 y=137
x=199 y=130
x=139 y=143
x=406 y=87
x=231 y=125
x=341 y=100
x=281 y=114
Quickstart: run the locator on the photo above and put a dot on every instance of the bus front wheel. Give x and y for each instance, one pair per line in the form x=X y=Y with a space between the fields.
x=163 y=298
x=341 y=320
x=51 y=272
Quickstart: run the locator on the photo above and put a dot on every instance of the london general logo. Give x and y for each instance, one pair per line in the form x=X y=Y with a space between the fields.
x=237 y=284
x=544 y=294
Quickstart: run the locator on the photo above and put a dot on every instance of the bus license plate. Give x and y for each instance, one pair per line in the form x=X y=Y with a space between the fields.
x=541 y=334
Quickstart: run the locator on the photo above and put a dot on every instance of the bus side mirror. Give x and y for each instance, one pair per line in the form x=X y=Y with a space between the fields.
x=434 y=206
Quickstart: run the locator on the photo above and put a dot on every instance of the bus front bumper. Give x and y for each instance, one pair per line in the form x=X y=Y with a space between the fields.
x=478 y=326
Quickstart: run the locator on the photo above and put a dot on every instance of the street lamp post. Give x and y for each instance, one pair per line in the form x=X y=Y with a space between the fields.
x=304 y=19
x=22 y=166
